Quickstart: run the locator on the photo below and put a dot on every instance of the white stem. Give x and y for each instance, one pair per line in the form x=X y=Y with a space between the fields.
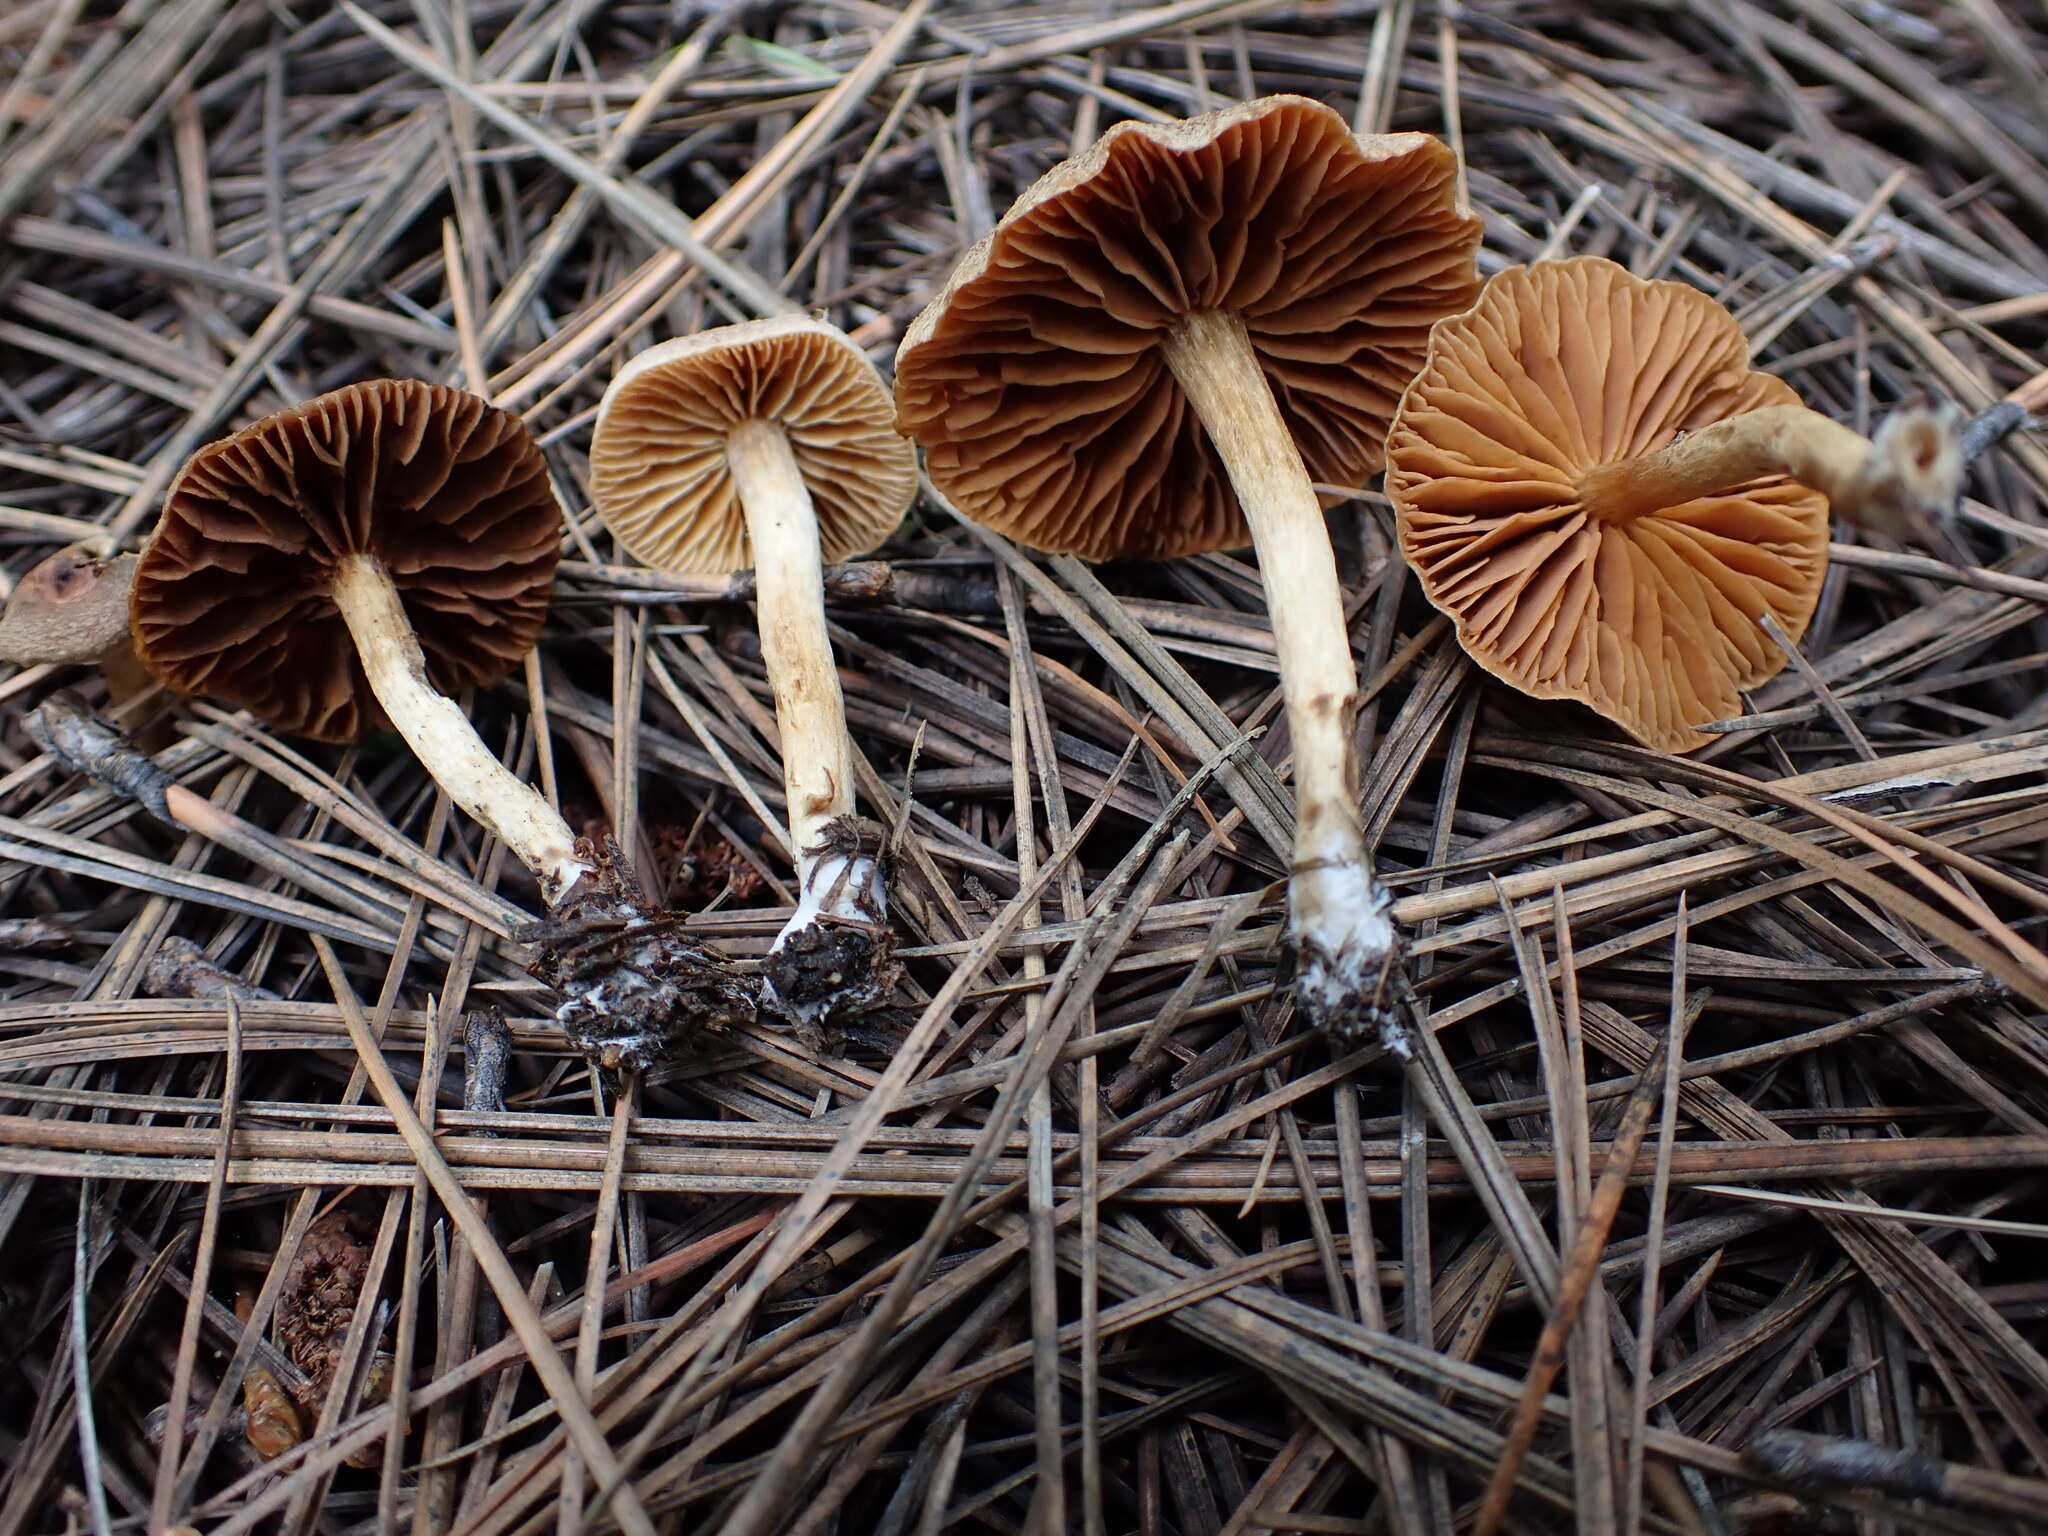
x=810 y=714
x=850 y=889
x=1339 y=912
x=441 y=736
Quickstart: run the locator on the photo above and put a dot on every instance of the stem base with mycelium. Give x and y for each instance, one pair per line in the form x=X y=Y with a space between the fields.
x=831 y=958
x=1345 y=944
x=632 y=987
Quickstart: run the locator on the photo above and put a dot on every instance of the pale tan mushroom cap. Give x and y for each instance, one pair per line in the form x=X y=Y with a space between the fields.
x=1653 y=621
x=658 y=476
x=1036 y=383
x=72 y=607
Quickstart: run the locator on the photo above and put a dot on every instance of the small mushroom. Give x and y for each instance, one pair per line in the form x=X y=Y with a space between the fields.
x=773 y=442
x=382 y=545
x=356 y=558
x=1162 y=347
x=1595 y=486
x=72 y=610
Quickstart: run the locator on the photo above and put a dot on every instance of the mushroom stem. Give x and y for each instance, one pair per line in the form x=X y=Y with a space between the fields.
x=126 y=677
x=441 y=736
x=1912 y=468
x=1343 y=935
x=810 y=712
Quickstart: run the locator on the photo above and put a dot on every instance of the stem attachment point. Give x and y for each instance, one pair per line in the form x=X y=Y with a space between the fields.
x=833 y=959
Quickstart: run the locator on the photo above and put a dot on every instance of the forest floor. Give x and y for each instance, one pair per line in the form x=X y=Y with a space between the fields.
x=1084 y=1231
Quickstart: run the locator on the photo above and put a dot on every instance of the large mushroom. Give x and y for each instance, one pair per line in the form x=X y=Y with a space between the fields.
x=1592 y=482
x=1160 y=350
x=352 y=560
x=772 y=443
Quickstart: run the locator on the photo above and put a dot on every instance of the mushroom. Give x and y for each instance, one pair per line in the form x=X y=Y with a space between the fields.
x=773 y=441
x=355 y=558
x=1160 y=350
x=72 y=609
x=385 y=544
x=1595 y=486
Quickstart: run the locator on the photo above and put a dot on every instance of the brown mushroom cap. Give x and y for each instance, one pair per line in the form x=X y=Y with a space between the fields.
x=73 y=607
x=658 y=476
x=1036 y=382
x=1653 y=620
x=448 y=492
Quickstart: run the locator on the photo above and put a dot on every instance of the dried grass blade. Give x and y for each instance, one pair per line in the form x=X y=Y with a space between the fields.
x=540 y=1348
x=1581 y=1270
